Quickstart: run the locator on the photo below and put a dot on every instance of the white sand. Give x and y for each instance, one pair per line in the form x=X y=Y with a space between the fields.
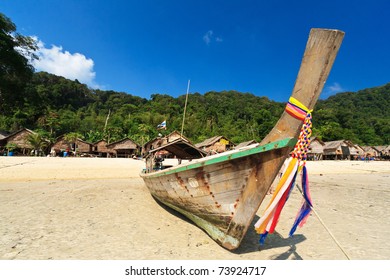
x=90 y=208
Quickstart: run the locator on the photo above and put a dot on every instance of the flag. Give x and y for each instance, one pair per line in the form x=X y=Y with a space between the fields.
x=162 y=125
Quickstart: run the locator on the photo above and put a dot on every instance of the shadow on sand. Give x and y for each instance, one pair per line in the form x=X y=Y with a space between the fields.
x=250 y=243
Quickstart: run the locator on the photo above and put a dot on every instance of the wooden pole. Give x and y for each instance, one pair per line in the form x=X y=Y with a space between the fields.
x=185 y=107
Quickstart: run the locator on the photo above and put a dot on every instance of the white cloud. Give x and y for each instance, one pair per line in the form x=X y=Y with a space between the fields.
x=333 y=89
x=209 y=37
x=63 y=63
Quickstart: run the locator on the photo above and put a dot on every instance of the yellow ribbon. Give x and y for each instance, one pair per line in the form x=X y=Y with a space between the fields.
x=295 y=102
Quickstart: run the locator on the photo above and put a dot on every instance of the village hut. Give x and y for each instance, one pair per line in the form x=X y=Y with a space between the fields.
x=316 y=149
x=123 y=148
x=19 y=141
x=3 y=142
x=384 y=151
x=161 y=141
x=337 y=150
x=371 y=152
x=63 y=147
x=216 y=144
x=3 y=134
x=356 y=151
x=245 y=144
x=100 y=149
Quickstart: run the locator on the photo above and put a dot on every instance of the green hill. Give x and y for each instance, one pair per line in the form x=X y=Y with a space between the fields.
x=55 y=105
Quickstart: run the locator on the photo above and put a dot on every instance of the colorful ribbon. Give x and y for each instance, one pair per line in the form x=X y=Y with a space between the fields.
x=296 y=165
x=297 y=109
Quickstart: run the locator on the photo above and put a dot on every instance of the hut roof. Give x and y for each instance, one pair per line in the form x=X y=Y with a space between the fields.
x=244 y=144
x=86 y=142
x=315 y=138
x=173 y=133
x=3 y=134
x=97 y=142
x=20 y=140
x=380 y=148
x=335 y=144
x=368 y=148
x=181 y=148
x=386 y=151
x=211 y=141
x=111 y=145
x=18 y=132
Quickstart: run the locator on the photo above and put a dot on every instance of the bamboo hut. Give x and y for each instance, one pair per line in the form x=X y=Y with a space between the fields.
x=215 y=145
x=3 y=134
x=80 y=146
x=337 y=150
x=356 y=151
x=316 y=149
x=123 y=148
x=384 y=151
x=161 y=141
x=100 y=149
x=245 y=144
x=371 y=152
x=19 y=140
x=3 y=142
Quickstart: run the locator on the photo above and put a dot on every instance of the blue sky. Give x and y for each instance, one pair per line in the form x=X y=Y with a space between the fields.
x=146 y=47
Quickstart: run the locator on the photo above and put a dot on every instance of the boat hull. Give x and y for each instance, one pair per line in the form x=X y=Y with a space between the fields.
x=221 y=194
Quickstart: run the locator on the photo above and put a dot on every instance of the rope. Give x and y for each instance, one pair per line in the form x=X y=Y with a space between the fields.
x=326 y=228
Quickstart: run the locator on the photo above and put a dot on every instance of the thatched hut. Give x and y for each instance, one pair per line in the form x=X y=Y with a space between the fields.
x=100 y=149
x=19 y=141
x=336 y=150
x=384 y=151
x=245 y=144
x=316 y=149
x=123 y=148
x=371 y=152
x=161 y=141
x=78 y=147
x=3 y=134
x=3 y=141
x=356 y=151
x=216 y=144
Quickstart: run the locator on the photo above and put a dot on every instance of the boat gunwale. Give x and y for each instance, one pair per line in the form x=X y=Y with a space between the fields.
x=223 y=157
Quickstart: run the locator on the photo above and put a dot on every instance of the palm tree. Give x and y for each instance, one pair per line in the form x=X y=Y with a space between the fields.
x=10 y=147
x=38 y=142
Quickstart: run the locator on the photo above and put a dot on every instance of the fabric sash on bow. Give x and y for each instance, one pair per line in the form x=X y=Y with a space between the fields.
x=296 y=165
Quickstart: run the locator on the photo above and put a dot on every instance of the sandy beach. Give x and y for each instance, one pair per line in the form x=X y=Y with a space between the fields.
x=100 y=209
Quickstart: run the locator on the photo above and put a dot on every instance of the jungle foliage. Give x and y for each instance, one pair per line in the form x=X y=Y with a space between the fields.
x=54 y=106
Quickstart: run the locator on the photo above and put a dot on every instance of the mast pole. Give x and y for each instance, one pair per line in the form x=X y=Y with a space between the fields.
x=185 y=108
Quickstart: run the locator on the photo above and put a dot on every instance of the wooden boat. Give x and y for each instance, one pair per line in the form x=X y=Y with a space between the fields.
x=222 y=193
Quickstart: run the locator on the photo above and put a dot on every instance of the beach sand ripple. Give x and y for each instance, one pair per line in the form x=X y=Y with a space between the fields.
x=93 y=208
